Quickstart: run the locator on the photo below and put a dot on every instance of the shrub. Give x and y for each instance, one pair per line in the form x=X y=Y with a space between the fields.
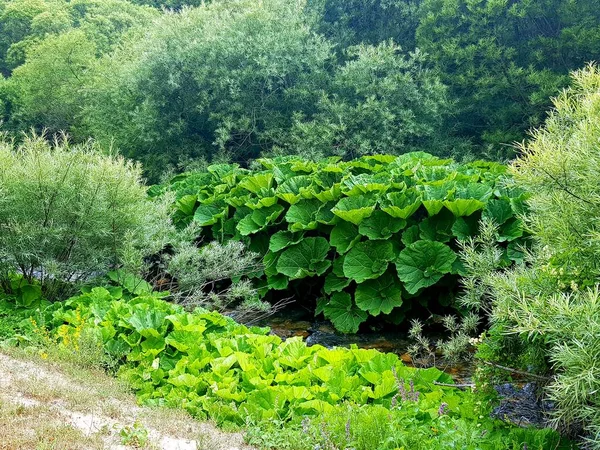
x=69 y=213
x=370 y=236
x=551 y=304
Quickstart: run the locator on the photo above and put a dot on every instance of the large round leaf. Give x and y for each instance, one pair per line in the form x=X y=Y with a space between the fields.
x=291 y=190
x=368 y=260
x=209 y=214
x=333 y=283
x=305 y=259
x=256 y=183
x=380 y=295
x=380 y=225
x=438 y=227
x=284 y=239
x=355 y=209
x=498 y=210
x=423 y=264
x=342 y=312
x=303 y=215
x=463 y=207
x=258 y=220
x=402 y=205
x=343 y=236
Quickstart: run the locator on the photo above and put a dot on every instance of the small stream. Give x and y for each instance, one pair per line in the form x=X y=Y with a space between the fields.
x=293 y=322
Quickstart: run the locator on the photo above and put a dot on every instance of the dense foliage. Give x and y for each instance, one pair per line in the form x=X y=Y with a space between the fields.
x=375 y=236
x=237 y=79
x=502 y=60
x=212 y=367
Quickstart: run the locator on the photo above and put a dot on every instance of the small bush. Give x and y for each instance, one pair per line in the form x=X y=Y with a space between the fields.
x=69 y=213
x=546 y=312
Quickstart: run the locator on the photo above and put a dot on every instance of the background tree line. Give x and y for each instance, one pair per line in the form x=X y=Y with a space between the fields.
x=175 y=83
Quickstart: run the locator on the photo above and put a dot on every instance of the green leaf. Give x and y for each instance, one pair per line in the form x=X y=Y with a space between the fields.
x=401 y=205
x=209 y=214
x=342 y=312
x=305 y=259
x=147 y=322
x=258 y=220
x=380 y=226
x=368 y=260
x=364 y=184
x=333 y=283
x=343 y=237
x=292 y=190
x=511 y=230
x=463 y=207
x=354 y=209
x=423 y=264
x=256 y=183
x=498 y=210
x=183 y=340
x=283 y=239
x=303 y=215
x=465 y=227
x=186 y=204
x=411 y=235
x=438 y=227
x=278 y=282
x=515 y=251
x=380 y=295
x=475 y=191
x=434 y=196
x=261 y=202
x=29 y=295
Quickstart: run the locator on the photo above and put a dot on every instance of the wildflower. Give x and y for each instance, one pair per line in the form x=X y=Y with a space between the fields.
x=442 y=409
x=305 y=425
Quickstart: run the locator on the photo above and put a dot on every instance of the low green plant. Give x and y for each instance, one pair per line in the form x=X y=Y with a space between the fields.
x=135 y=436
x=402 y=427
x=368 y=237
x=287 y=394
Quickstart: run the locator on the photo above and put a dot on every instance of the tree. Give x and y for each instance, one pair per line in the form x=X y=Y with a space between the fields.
x=58 y=47
x=221 y=77
x=379 y=101
x=504 y=59
x=45 y=92
x=353 y=22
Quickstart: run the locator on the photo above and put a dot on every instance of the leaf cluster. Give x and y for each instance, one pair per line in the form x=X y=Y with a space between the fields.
x=212 y=367
x=374 y=232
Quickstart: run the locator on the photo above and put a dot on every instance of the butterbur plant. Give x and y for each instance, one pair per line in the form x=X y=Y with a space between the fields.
x=363 y=238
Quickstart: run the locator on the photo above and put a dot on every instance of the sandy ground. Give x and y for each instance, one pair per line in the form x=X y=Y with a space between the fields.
x=45 y=406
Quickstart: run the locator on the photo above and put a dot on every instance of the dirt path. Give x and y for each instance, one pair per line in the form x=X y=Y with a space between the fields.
x=44 y=406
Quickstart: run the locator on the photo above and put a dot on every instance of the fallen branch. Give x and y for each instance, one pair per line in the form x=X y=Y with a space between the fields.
x=517 y=371
x=458 y=386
